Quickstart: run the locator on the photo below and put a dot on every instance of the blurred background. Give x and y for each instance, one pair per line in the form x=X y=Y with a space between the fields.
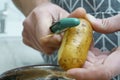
x=13 y=53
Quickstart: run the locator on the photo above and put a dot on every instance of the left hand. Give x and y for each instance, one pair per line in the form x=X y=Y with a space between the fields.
x=99 y=66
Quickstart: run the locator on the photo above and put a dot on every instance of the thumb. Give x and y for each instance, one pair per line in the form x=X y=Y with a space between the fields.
x=78 y=13
x=106 y=25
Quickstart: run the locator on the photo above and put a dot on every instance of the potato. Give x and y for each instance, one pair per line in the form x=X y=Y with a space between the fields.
x=75 y=45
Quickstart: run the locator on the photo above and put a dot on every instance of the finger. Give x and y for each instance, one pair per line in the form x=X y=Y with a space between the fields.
x=91 y=57
x=42 y=21
x=29 y=33
x=51 y=41
x=114 y=59
x=49 y=50
x=106 y=25
x=30 y=44
x=93 y=73
x=29 y=37
x=95 y=51
x=87 y=64
x=78 y=13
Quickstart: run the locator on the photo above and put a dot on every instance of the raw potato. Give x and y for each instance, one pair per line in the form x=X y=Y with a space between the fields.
x=75 y=45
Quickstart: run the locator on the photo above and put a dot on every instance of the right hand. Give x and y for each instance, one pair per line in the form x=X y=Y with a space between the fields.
x=36 y=26
x=37 y=23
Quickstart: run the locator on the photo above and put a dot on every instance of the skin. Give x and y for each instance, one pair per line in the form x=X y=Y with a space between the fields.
x=98 y=63
x=98 y=66
x=26 y=6
x=37 y=24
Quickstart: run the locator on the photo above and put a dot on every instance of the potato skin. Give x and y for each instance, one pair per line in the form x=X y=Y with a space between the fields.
x=75 y=45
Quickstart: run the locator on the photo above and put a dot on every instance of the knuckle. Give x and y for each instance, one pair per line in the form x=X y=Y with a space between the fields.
x=36 y=13
x=24 y=22
x=23 y=32
x=27 y=42
x=24 y=41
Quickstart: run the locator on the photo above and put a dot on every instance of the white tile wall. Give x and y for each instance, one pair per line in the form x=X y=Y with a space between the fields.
x=13 y=53
x=14 y=19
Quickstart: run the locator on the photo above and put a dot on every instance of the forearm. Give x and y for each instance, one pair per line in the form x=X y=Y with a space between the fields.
x=26 y=6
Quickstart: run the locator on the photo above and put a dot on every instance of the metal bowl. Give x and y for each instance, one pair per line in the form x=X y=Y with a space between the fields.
x=36 y=72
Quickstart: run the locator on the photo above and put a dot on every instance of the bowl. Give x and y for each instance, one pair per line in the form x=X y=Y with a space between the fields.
x=36 y=72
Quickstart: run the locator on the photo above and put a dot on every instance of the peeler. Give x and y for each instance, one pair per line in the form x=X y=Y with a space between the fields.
x=64 y=24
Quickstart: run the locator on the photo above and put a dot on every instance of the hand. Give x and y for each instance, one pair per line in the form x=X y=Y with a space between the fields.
x=37 y=24
x=106 y=25
x=36 y=27
x=99 y=66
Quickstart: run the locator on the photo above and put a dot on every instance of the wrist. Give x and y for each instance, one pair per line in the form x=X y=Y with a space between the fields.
x=26 y=6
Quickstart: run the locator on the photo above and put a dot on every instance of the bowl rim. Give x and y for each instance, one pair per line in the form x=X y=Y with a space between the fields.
x=15 y=70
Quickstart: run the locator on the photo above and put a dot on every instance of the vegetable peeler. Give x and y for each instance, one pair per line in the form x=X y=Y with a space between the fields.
x=64 y=24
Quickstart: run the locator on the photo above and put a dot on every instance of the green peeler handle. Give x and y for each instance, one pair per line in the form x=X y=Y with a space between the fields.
x=63 y=24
